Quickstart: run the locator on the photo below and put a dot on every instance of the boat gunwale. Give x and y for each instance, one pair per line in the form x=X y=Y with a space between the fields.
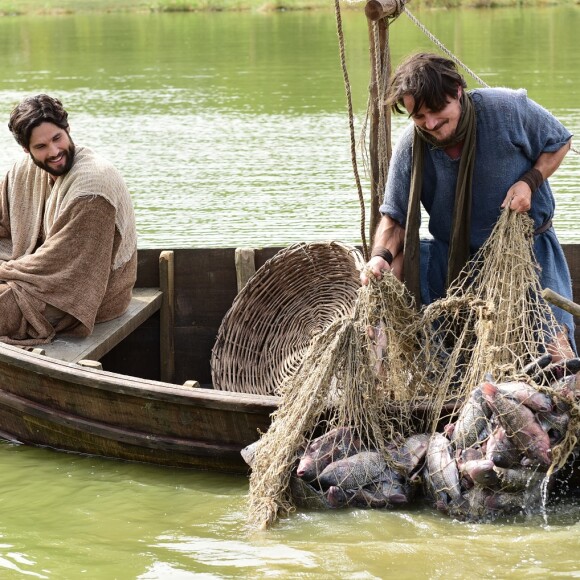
x=130 y=385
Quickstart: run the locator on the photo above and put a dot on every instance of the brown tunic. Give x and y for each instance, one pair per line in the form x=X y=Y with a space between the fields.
x=70 y=280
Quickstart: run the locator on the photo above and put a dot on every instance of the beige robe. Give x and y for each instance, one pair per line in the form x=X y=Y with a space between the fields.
x=67 y=252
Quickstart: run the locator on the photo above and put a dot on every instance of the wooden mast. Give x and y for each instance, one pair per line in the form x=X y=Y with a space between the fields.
x=377 y=11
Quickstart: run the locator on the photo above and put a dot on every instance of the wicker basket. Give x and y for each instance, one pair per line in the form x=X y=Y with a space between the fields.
x=291 y=298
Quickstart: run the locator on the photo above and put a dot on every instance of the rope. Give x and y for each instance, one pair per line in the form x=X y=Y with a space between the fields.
x=351 y=127
x=443 y=47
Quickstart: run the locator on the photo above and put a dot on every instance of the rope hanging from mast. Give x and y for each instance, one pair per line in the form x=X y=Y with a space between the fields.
x=340 y=33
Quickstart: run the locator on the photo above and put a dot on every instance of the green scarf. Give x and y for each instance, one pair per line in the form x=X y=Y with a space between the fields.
x=461 y=225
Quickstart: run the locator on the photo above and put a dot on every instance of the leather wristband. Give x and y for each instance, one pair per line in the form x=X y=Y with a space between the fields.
x=383 y=253
x=533 y=178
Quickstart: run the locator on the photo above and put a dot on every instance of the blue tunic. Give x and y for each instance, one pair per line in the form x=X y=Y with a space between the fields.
x=512 y=132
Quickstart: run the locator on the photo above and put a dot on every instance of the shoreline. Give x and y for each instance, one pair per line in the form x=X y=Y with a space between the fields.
x=69 y=7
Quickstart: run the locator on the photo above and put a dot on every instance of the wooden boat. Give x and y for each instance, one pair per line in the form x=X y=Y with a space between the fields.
x=126 y=411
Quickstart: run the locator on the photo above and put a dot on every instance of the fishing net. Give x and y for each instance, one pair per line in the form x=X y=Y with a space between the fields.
x=468 y=404
x=337 y=437
x=504 y=365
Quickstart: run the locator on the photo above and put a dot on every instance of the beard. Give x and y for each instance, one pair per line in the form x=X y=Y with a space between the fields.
x=69 y=160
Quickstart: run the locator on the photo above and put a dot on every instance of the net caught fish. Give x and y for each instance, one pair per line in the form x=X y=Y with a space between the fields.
x=336 y=444
x=353 y=472
x=520 y=424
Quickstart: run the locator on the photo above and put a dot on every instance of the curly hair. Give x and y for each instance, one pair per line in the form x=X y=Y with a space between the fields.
x=33 y=111
x=429 y=78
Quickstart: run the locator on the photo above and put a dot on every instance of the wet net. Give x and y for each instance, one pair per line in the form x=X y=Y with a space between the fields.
x=328 y=439
x=468 y=405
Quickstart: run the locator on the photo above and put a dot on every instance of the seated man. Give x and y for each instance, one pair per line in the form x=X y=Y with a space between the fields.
x=68 y=243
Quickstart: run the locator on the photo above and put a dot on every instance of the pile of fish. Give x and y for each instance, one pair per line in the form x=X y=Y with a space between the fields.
x=335 y=470
x=493 y=460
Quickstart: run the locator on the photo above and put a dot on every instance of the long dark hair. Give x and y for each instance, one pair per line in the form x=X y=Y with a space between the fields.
x=429 y=78
x=33 y=111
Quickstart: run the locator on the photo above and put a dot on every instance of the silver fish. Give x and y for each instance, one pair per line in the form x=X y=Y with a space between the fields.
x=353 y=472
x=249 y=452
x=472 y=425
x=442 y=474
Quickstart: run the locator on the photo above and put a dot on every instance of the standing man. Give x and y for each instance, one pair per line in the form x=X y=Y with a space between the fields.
x=68 y=243
x=466 y=156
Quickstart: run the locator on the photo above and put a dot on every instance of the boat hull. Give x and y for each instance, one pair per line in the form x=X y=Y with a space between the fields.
x=125 y=412
x=60 y=405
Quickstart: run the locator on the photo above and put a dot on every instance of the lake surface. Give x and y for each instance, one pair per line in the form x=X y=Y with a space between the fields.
x=231 y=129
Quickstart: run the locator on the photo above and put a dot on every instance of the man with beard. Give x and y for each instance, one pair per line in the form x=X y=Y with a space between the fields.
x=68 y=254
x=467 y=156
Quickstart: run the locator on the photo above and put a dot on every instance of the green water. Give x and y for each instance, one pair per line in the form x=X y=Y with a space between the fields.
x=231 y=129
x=240 y=119
x=69 y=517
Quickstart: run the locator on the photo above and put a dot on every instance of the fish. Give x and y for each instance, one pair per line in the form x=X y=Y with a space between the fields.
x=442 y=475
x=462 y=456
x=249 y=452
x=410 y=455
x=391 y=490
x=306 y=496
x=469 y=454
x=501 y=450
x=394 y=486
x=520 y=425
x=336 y=444
x=472 y=424
x=519 y=479
x=354 y=471
x=359 y=498
x=555 y=424
x=527 y=395
x=480 y=472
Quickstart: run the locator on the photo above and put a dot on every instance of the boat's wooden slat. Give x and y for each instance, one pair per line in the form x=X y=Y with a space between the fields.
x=245 y=266
x=167 y=337
x=108 y=334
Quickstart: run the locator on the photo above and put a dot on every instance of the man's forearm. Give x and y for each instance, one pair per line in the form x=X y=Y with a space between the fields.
x=389 y=235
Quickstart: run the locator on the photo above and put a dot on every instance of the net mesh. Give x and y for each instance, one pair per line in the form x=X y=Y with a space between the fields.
x=468 y=404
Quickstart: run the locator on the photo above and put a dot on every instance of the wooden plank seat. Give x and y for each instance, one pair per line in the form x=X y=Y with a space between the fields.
x=106 y=335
